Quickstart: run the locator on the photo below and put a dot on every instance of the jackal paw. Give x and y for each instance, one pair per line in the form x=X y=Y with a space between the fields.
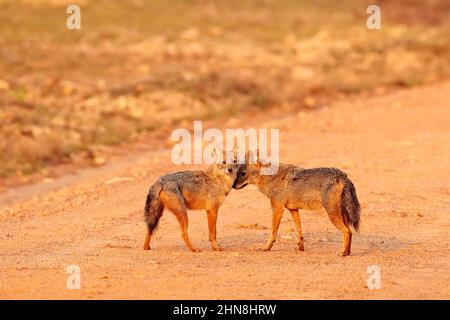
x=146 y=247
x=301 y=247
x=195 y=249
x=217 y=248
x=265 y=248
x=343 y=253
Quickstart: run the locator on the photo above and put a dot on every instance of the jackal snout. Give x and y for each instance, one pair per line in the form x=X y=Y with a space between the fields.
x=248 y=173
x=242 y=178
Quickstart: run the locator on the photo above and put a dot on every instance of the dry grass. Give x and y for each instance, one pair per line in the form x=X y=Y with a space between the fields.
x=137 y=66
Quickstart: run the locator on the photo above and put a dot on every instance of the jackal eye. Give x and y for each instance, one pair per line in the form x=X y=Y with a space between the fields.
x=224 y=162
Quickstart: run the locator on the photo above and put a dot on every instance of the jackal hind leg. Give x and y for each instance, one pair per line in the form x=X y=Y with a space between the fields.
x=148 y=237
x=331 y=203
x=212 y=227
x=277 y=213
x=173 y=200
x=298 y=227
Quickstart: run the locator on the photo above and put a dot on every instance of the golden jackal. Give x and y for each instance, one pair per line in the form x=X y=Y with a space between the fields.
x=295 y=188
x=190 y=190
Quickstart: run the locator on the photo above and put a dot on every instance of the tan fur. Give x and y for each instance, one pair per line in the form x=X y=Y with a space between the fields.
x=194 y=190
x=295 y=188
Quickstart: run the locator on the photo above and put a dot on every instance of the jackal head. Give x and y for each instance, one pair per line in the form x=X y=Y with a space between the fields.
x=250 y=171
x=225 y=163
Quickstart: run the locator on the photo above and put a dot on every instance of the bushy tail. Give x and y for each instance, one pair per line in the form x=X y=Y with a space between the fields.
x=153 y=207
x=350 y=206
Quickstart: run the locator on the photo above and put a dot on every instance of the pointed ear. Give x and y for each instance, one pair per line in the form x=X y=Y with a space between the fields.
x=252 y=156
x=216 y=154
x=263 y=162
x=255 y=159
x=237 y=154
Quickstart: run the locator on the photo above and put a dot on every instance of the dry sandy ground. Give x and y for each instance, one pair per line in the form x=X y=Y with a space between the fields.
x=396 y=150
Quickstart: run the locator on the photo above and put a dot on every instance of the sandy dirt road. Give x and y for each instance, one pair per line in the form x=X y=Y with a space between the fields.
x=394 y=147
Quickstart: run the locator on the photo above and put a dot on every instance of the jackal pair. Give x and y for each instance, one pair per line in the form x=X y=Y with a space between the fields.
x=291 y=188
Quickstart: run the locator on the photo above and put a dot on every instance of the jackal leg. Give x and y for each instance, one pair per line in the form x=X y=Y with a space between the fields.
x=331 y=203
x=147 y=241
x=298 y=226
x=277 y=213
x=212 y=222
x=174 y=201
x=346 y=236
x=183 y=220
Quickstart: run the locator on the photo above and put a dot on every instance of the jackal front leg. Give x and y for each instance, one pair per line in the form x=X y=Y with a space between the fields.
x=277 y=213
x=212 y=222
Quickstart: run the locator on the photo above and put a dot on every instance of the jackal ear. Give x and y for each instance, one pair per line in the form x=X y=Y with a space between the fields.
x=257 y=160
x=238 y=156
x=262 y=162
x=235 y=153
x=235 y=149
x=216 y=154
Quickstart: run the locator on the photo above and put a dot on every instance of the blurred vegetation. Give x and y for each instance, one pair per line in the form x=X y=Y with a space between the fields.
x=137 y=66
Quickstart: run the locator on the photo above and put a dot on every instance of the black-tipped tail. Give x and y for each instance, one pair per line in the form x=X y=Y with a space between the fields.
x=153 y=207
x=350 y=207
